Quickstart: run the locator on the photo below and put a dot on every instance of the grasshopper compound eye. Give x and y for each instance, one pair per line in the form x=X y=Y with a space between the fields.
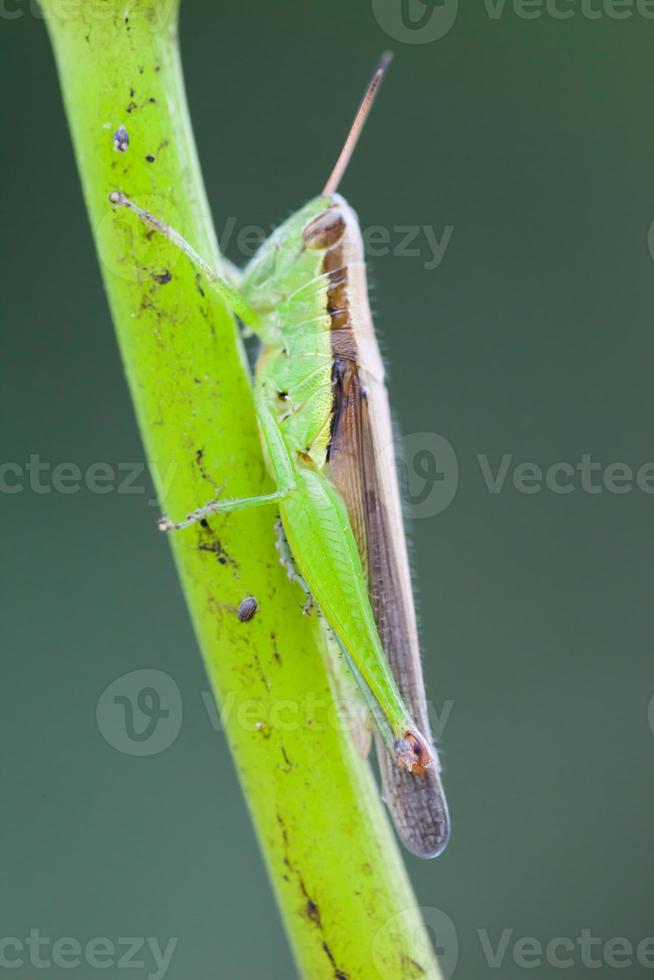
x=325 y=229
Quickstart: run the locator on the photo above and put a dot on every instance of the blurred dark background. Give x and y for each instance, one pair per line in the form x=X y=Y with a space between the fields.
x=533 y=140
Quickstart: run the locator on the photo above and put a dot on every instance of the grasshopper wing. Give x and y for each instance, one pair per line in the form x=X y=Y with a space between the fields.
x=362 y=468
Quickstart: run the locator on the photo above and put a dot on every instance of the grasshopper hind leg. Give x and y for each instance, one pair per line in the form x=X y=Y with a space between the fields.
x=220 y=507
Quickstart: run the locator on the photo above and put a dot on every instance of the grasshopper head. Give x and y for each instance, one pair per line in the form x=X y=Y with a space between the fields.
x=290 y=260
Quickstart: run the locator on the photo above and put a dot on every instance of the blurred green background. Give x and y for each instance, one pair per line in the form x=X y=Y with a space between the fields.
x=533 y=139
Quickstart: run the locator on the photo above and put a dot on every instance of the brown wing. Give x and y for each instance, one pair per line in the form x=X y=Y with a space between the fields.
x=362 y=468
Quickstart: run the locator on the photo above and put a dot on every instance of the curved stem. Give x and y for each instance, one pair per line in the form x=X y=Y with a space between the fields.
x=344 y=895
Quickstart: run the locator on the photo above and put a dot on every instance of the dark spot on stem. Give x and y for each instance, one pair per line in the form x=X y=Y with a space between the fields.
x=313 y=912
x=311 y=907
x=216 y=549
x=338 y=974
x=162 y=277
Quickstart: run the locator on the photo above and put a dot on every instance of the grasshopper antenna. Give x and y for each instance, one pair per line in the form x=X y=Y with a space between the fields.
x=336 y=175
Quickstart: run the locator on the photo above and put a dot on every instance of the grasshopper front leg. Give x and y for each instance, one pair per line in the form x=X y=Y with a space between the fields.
x=229 y=293
x=223 y=286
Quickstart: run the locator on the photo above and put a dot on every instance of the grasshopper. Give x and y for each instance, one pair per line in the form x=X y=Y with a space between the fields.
x=325 y=424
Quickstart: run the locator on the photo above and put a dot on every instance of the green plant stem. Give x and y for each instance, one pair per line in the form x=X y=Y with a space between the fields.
x=338 y=877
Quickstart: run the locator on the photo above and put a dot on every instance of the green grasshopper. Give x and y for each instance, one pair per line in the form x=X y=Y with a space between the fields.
x=325 y=423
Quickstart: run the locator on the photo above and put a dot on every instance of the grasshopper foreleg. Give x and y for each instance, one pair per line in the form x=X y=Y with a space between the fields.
x=222 y=285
